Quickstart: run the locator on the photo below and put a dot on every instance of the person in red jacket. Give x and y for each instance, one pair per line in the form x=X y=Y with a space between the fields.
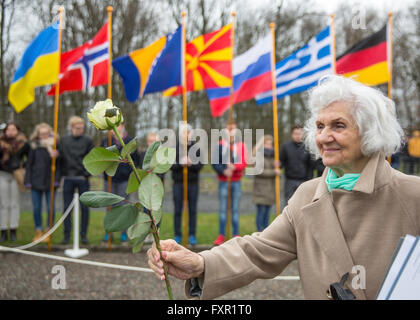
x=230 y=162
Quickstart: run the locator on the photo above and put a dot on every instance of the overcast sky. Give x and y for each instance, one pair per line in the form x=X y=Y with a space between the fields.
x=21 y=37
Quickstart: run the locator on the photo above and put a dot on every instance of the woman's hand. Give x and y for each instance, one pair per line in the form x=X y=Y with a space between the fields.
x=180 y=262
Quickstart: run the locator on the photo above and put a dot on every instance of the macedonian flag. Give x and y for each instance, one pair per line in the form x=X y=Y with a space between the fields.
x=208 y=62
x=367 y=60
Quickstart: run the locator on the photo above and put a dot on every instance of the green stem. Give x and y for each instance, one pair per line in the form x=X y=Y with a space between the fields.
x=154 y=227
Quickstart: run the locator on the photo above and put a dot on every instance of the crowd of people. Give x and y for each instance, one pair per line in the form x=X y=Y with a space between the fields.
x=26 y=164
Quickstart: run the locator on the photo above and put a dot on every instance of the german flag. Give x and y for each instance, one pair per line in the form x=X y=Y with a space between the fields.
x=208 y=62
x=367 y=60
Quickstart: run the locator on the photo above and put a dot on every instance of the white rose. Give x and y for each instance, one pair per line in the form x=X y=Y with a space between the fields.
x=98 y=116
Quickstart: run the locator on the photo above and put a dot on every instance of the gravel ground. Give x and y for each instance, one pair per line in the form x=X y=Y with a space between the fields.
x=27 y=277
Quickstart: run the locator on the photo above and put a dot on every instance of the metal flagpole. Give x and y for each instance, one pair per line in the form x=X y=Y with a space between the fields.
x=275 y=116
x=56 y=104
x=333 y=43
x=109 y=178
x=184 y=118
x=229 y=186
x=390 y=55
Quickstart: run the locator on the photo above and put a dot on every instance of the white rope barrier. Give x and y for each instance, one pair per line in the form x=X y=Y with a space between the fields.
x=47 y=234
x=106 y=265
x=88 y=262
x=22 y=249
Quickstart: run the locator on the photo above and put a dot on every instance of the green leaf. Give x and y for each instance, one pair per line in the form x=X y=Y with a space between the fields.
x=163 y=159
x=129 y=148
x=149 y=154
x=112 y=169
x=113 y=149
x=138 y=244
x=99 y=199
x=157 y=215
x=141 y=227
x=99 y=159
x=151 y=192
x=133 y=183
x=120 y=218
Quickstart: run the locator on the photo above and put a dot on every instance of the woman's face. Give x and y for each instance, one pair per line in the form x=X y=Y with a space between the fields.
x=44 y=133
x=268 y=144
x=11 y=131
x=337 y=139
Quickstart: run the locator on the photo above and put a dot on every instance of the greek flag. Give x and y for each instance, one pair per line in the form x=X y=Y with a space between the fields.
x=302 y=69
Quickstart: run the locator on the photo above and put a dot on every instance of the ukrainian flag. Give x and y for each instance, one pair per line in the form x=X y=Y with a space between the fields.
x=39 y=67
x=154 y=68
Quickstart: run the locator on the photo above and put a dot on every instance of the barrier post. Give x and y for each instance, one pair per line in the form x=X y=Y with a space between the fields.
x=76 y=252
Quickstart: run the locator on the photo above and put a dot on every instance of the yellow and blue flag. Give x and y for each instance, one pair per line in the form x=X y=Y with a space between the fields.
x=154 y=68
x=39 y=67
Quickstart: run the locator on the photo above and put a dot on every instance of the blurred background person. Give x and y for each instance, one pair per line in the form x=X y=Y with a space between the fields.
x=177 y=169
x=404 y=155
x=74 y=147
x=38 y=174
x=14 y=149
x=414 y=152
x=231 y=163
x=263 y=192
x=296 y=161
x=119 y=181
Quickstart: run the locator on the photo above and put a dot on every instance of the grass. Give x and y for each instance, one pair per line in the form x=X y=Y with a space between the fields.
x=207 y=228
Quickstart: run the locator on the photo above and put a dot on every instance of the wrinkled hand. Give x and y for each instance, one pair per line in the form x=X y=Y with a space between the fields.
x=180 y=262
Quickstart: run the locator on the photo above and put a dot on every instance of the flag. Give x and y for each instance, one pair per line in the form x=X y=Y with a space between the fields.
x=85 y=66
x=38 y=67
x=154 y=68
x=302 y=69
x=367 y=60
x=208 y=62
x=251 y=76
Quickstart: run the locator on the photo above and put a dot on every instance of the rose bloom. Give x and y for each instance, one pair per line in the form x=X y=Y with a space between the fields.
x=98 y=118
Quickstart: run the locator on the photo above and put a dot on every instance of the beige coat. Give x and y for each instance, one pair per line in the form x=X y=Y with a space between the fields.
x=264 y=187
x=328 y=233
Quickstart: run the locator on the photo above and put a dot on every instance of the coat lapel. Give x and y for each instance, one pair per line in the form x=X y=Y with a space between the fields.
x=322 y=220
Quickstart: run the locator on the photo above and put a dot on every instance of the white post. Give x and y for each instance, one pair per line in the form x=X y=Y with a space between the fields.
x=76 y=252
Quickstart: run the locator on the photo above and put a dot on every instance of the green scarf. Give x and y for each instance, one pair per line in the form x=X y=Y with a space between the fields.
x=346 y=182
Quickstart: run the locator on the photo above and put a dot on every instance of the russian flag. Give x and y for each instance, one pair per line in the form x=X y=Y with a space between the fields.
x=251 y=76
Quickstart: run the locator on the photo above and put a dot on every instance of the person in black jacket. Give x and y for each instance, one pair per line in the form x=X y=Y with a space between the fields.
x=192 y=190
x=296 y=161
x=14 y=149
x=38 y=174
x=119 y=181
x=74 y=148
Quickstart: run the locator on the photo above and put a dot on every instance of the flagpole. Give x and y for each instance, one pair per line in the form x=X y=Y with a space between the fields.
x=389 y=49
x=390 y=56
x=184 y=118
x=229 y=186
x=109 y=178
x=333 y=43
x=56 y=104
x=275 y=116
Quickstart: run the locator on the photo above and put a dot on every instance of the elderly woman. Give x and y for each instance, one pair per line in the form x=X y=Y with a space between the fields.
x=353 y=215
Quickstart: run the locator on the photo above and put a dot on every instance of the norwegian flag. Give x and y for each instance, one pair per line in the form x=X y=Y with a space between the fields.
x=85 y=66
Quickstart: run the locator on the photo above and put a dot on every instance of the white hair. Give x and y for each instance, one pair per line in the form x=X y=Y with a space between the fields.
x=373 y=113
